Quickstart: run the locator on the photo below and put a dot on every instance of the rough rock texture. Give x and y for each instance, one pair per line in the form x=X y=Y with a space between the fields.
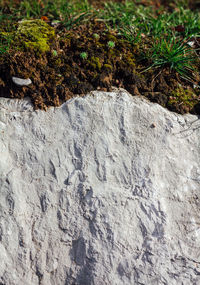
x=103 y=190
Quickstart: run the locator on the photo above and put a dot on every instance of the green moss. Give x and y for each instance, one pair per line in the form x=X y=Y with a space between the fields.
x=5 y=40
x=58 y=62
x=96 y=36
x=111 y=37
x=130 y=60
x=111 y=53
x=183 y=99
x=95 y=63
x=108 y=66
x=66 y=39
x=35 y=35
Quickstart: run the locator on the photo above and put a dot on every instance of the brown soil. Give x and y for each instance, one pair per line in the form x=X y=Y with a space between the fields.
x=55 y=79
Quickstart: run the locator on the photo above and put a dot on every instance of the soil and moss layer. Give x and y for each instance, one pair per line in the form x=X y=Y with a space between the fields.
x=62 y=63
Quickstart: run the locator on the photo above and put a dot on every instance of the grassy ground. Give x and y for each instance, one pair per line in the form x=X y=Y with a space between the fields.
x=150 y=48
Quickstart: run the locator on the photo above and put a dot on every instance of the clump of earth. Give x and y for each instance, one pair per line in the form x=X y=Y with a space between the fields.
x=60 y=64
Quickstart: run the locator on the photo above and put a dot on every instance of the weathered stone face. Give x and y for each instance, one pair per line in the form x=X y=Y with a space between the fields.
x=102 y=190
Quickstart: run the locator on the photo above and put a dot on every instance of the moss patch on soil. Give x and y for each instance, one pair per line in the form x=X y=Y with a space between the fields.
x=52 y=57
x=34 y=35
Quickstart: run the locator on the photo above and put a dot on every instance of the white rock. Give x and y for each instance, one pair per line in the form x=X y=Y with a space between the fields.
x=93 y=194
x=55 y=23
x=21 y=81
x=191 y=43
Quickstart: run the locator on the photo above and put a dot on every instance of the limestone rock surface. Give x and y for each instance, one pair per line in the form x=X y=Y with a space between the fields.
x=104 y=190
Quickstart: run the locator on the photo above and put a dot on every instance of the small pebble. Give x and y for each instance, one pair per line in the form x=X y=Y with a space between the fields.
x=192 y=43
x=153 y=125
x=55 y=23
x=21 y=81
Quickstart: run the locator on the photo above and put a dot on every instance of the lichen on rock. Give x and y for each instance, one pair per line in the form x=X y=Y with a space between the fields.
x=35 y=35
